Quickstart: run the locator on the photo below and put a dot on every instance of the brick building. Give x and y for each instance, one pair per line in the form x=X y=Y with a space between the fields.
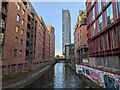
x=51 y=30
x=24 y=38
x=69 y=53
x=80 y=38
x=103 y=20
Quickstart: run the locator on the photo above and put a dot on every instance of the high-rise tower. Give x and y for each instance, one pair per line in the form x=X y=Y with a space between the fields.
x=66 y=29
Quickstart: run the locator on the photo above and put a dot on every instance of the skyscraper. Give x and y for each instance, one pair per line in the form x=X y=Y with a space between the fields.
x=66 y=29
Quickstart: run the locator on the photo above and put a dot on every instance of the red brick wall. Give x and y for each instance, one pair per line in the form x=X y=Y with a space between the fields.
x=10 y=35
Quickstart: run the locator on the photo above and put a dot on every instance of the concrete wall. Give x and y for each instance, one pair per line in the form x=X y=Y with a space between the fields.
x=102 y=78
x=108 y=61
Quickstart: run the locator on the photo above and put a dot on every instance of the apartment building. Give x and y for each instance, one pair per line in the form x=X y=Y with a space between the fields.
x=80 y=38
x=24 y=38
x=103 y=25
x=51 y=30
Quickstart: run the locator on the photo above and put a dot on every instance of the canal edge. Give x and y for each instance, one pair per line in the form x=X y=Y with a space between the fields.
x=83 y=77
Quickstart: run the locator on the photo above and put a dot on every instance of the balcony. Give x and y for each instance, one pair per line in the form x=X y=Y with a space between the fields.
x=30 y=48
x=29 y=22
x=4 y=12
x=2 y=24
x=27 y=58
x=4 y=8
x=1 y=43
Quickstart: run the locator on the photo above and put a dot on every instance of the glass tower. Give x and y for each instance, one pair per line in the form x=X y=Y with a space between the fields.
x=66 y=29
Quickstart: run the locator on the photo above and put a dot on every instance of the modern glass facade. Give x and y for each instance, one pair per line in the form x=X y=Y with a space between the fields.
x=66 y=29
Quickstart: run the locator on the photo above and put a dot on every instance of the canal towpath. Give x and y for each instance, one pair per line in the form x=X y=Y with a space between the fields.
x=24 y=79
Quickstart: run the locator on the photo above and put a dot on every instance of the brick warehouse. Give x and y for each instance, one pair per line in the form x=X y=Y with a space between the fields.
x=80 y=38
x=24 y=38
x=103 y=20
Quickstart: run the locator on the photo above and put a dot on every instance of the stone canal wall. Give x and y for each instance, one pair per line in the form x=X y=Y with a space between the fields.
x=26 y=79
x=103 y=78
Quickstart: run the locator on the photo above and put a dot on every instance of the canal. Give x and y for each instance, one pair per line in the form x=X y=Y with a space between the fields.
x=60 y=76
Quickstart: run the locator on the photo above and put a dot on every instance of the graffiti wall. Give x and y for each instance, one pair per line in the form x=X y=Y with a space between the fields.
x=103 y=78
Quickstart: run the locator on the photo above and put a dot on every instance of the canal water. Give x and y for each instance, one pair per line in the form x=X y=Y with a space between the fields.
x=60 y=76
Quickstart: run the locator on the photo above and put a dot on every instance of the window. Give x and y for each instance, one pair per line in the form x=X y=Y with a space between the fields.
x=107 y=42
x=109 y=14
x=119 y=32
x=107 y=1
x=17 y=29
x=23 y=11
x=94 y=27
x=21 y=41
x=15 y=53
x=109 y=39
x=98 y=44
x=93 y=13
x=20 y=53
x=114 y=38
x=1 y=37
x=16 y=40
x=22 y=31
x=100 y=23
x=18 y=7
x=92 y=2
x=22 y=22
x=103 y=42
x=118 y=8
x=18 y=17
x=99 y=6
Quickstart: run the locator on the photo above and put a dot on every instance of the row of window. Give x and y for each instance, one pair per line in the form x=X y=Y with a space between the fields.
x=16 y=51
x=99 y=21
x=109 y=10
x=18 y=19
x=17 y=41
x=19 y=8
x=17 y=30
x=106 y=42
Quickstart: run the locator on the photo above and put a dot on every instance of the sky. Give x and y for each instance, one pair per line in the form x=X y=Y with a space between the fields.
x=51 y=13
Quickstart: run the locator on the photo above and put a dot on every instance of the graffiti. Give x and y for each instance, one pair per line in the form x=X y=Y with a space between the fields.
x=104 y=79
x=87 y=72
x=79 y=69
x=110 y=82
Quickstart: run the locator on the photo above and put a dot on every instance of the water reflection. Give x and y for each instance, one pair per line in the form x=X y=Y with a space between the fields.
x=59 y=77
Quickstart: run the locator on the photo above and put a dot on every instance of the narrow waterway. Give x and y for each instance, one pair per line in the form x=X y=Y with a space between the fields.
x=59 y=76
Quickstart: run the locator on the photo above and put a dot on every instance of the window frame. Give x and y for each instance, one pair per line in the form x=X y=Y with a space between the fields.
x=18 y=7
x=23 y=22
x=22 y=32
x=18 y=17
x=20 y=55
x=99 y=4
x=23 y=12
x=99 y=19
x=15 y=53
x=109 y=13
x=16 y=40
x=21 y=41
x=17 y=27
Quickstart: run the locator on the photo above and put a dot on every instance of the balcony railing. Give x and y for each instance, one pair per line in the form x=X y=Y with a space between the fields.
x=4 y=11
x=2 y=24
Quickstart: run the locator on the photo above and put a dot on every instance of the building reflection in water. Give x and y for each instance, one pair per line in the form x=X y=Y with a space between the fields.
x=59 y=77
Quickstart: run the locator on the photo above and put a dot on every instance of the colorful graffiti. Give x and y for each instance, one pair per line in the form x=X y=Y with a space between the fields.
x=111 y=82
x=104 y=79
